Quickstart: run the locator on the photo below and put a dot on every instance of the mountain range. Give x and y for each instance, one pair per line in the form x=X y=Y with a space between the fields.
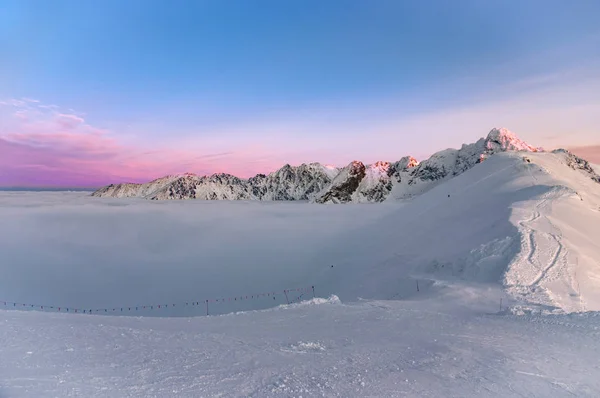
x=357 y=182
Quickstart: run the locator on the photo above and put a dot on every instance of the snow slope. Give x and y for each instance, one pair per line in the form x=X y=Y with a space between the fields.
x=323 y=349
x=529 y=225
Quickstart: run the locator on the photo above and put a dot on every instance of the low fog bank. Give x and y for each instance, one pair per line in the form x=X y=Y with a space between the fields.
x=69 y=249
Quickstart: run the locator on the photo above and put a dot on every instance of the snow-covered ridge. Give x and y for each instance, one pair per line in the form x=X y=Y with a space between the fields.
x=357 y=182
x=288 y=183
x=577 y=163
x=407 y=177
x=501 y=139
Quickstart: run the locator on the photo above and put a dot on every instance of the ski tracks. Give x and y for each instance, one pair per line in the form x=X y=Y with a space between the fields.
x=543 y=257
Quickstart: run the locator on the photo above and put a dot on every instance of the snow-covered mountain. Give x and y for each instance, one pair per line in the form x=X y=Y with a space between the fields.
x=361 y=183
x=292 y=183
x=127 y=190
x=407 y=177
x=288 y=183
x=357 y=182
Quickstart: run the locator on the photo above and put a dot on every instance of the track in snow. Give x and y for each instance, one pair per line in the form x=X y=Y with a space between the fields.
x=543 y=257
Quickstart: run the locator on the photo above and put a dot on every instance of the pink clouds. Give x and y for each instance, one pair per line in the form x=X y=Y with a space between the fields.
x=68 y=144
x=40 y=146
x=68 y=121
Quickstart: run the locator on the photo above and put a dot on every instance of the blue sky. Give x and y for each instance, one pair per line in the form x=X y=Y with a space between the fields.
x=271 y=82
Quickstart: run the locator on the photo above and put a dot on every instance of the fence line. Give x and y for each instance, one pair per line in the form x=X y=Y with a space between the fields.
x=133 y=308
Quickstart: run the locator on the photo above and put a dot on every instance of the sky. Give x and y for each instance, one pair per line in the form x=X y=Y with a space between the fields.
x=93 y=93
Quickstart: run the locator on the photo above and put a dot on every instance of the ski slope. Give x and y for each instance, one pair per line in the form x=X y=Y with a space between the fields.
x=319 y=349
x=505 y=257
x=529 y=227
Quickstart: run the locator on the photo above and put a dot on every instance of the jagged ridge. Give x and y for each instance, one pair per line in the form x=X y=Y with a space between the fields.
x=577 y=163
x=356 y=182
x=408 y=177
x=288 y=183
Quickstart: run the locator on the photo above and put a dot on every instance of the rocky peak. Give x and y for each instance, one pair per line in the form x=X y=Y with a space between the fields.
x=344 y=184
x=286 y=169
x=222 y=178
x=577 y=163
x=501 y=140
x=356 y=166
x=301 y=182
x=380 y=166
x=438 y=166
x=258 y=177
x=408 y=162
x=402 y=165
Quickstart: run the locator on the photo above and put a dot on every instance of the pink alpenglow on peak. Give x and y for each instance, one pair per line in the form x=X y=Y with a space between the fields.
x=408 y=162
x=380 y=166
x=502 y=139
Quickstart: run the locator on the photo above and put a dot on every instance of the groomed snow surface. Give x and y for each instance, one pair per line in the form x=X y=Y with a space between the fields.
x=371 y=349
x=506 y=258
